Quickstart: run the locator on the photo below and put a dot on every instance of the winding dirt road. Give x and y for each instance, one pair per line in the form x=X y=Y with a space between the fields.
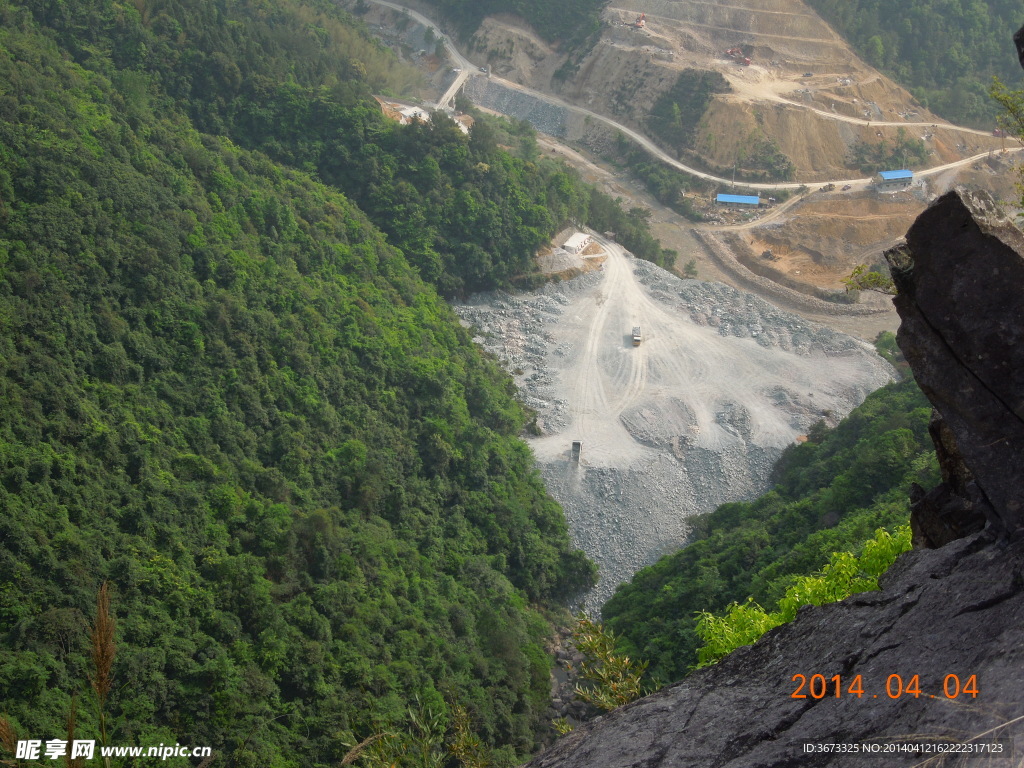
x=468 y=70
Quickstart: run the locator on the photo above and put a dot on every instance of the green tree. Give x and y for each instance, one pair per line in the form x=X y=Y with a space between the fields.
x=609 y=679
x=875 y=51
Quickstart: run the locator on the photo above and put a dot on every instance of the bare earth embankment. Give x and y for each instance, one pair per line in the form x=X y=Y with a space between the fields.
x=692 y=418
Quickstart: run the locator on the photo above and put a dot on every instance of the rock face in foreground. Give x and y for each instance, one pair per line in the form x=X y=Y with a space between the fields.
x=955 y=610
x=961 y=299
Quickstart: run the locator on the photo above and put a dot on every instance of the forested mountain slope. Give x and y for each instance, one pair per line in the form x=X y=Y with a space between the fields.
x=945 y=51
x=293 y=80
x=831 y=494
x=224 y=391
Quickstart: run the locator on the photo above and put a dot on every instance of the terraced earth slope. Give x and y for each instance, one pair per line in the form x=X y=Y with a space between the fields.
x=805 y=91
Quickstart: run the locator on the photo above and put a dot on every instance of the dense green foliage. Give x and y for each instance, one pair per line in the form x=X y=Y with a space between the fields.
x=607 y=679
x=668 y=185
x=288 y=81
x=831 y=494
x=570 y=200
x=846 y=574
x=945 y=51
x=677 y=112
x=761 y=158
x=570 y=21
x=224 y=391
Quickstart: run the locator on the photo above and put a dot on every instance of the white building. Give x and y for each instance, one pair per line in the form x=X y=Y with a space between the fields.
x=414 y=113
x=577 y=242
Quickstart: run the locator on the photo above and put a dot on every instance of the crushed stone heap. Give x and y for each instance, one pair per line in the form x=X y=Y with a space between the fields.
x=692 y=417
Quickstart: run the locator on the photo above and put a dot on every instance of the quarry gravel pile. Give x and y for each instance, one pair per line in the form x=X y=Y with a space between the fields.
x=693 y=417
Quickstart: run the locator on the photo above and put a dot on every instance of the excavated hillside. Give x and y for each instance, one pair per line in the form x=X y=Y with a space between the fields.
x=947 y=612
x=804 y=89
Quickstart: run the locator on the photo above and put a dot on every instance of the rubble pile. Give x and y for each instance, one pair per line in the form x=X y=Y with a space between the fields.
x=657 y=450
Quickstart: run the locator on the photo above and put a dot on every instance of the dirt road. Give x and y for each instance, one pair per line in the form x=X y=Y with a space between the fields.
x=693 y=365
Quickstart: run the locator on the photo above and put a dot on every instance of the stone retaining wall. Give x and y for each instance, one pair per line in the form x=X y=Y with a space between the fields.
x=727 y=261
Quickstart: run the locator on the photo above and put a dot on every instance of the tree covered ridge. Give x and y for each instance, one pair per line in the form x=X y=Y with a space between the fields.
x=225 y=392
x=293 y=81
x=944 y=51
x=831 y=494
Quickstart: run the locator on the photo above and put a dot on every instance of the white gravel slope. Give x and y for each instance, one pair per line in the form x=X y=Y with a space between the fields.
x=694 y=417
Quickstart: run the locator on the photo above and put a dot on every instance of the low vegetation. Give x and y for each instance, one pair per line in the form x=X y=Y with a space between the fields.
x=846 y=574
x=668 y=185
x=608 y=679
x=901 y=152
x=569 y=21
x=675 y=115
x=831 y=494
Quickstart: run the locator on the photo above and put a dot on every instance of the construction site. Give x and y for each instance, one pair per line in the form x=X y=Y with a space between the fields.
x=793 y=81
x=659 y=397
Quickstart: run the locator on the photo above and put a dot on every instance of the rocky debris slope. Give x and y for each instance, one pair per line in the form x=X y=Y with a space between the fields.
x=695 y=417
x=953 y=611
x=545 y=117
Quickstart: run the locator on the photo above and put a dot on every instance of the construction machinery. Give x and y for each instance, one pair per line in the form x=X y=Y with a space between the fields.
x=641 y=21
x=637 y=338
x=577 y=449
x=740 y=54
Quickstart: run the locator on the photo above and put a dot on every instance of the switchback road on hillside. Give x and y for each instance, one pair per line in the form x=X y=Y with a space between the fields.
x=468 y=69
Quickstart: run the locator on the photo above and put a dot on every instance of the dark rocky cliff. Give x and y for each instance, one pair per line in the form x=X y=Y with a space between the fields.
x=955 y=606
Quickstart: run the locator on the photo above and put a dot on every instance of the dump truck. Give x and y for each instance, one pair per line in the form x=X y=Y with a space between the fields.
x=577 y=448
x=636 y=336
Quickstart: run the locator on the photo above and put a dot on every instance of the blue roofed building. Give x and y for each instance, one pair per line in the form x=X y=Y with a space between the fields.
x=741 y=200
x=893 y=179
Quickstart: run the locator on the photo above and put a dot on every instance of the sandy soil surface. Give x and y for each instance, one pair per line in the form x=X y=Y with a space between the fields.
x=693 y=417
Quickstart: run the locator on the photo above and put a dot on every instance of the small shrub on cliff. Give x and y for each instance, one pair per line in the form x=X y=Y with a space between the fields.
x=609 y=679
x=845 y=575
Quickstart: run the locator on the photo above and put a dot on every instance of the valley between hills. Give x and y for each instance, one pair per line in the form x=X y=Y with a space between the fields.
x=317 y=424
